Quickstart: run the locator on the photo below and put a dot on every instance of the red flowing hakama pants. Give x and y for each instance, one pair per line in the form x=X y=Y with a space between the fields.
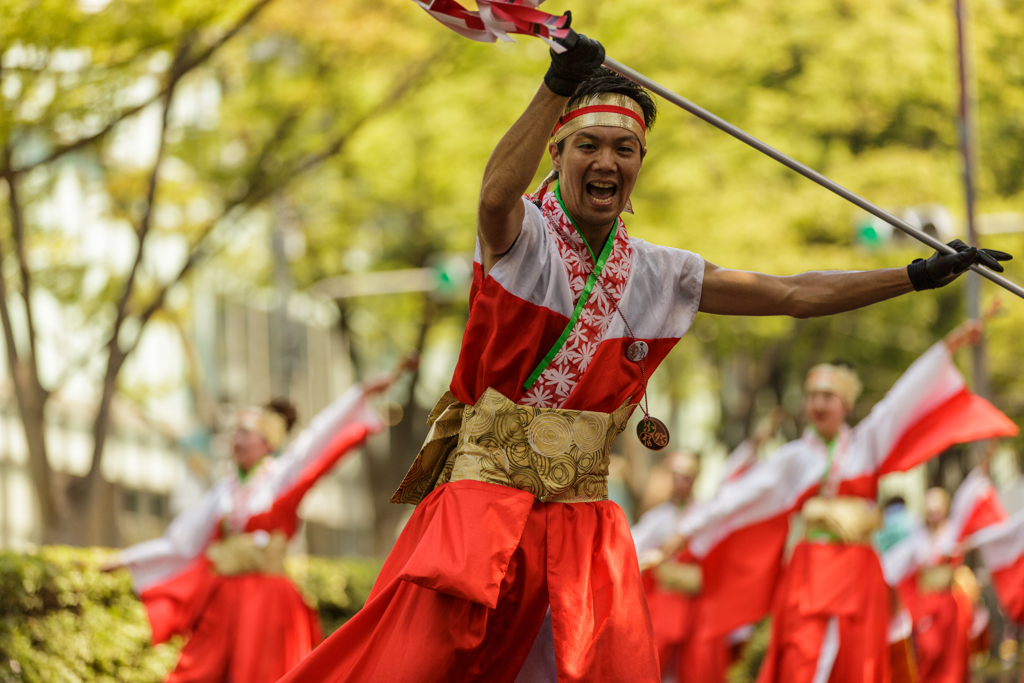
x=253 y=629
x=942 y=632
x=824 y=582
x=686 y=654
x=463 y=594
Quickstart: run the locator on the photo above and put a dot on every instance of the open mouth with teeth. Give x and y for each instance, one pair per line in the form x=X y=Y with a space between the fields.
x=602 y=193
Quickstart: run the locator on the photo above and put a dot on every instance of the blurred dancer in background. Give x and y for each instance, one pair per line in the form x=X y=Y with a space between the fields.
x=831 y=607
x=217 y=575
x=924 y=562
x=673 y=588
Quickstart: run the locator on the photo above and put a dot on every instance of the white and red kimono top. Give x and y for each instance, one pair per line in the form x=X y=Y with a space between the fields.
x=267 y=500
x=656 y=526
x=975 y=505
x=741 y=532
x=521 y=308
x=1002 y=549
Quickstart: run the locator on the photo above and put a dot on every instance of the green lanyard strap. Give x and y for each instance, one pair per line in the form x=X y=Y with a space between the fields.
x=829 y=462
x=599 y=263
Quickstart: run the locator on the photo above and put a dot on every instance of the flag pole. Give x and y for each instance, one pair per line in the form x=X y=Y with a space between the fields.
x=803 y=170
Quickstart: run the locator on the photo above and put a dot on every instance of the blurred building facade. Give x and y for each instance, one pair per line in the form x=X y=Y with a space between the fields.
x=239 y=349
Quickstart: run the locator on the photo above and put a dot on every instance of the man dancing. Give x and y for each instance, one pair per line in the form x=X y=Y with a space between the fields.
x=514 y=558
x=926 y=569
x=673 y=588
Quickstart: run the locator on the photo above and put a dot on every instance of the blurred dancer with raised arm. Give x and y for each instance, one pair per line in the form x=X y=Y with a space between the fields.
x=924 y=563
x=831 y=606
x=217 y=577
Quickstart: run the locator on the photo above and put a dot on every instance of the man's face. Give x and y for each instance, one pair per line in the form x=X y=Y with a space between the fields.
x=682 y=486
x=936 y=508
x=825 y=411
x=597 y=169
x=248 y=446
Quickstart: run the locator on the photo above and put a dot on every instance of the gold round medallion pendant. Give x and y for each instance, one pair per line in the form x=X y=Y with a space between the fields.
x=653 y=433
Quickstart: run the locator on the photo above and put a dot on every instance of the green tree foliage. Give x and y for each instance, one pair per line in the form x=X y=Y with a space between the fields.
x=864 y=92
x=171 y=125
x=370 y=123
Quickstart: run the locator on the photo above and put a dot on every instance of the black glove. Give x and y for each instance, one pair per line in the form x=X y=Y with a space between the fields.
x=941 y=269
x=582 y=57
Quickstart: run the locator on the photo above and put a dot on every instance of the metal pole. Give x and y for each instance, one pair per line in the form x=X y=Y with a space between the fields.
x=965 y=128
x=803 y=170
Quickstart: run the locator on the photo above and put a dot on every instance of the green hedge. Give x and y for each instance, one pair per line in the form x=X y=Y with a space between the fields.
x=63 y=620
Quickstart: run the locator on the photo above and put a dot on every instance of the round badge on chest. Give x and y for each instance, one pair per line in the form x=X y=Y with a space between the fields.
x=636 y=351
x=653 y=433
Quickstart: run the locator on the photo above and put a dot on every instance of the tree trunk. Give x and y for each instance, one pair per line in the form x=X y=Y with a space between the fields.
x=388 y=469
x=32 y=406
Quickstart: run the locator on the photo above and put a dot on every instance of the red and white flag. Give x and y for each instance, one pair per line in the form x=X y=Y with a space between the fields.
x=1002 y=548
x=975 y=506
x=496 y=19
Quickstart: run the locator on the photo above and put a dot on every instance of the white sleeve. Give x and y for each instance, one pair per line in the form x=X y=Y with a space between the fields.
x=347 y=409
x=899 y=561
x=743 y=456
x=655 y=527
x=665 y=288
x=187 y=536
x=1000 y=544
x=930 y=381
x=767 y=489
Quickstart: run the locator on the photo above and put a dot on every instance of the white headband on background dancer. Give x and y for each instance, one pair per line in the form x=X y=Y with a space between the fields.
x=269 y=424
x=836 y=379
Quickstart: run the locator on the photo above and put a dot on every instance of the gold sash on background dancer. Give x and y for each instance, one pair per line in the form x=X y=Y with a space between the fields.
x=560 y=456
x=843 y=519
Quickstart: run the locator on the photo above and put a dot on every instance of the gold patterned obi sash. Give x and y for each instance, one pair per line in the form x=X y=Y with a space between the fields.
x=560 y=456
x=843 y=519
x=935 y=579
x=259 y=552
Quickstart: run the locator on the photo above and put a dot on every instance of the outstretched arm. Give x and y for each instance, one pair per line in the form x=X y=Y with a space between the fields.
x=817 y=293
x=807 y=295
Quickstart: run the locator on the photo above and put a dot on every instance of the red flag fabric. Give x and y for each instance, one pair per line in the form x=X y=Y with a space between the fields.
x=1002 y=548
x=496 y=19
x=962 y=418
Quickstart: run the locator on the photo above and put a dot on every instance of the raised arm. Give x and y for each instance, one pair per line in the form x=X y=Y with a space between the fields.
x=312 y=444
x=509 y=172
x=818 y=293
x=514 y=161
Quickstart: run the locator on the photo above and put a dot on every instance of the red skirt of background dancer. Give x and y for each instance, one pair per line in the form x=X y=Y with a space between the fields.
x=942 y=632
x=462 y=595
x=683 y=648
x=824 y=581
x=252 y=628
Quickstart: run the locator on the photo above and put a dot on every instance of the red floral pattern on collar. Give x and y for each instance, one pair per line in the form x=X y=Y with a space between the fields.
x=553 y=388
